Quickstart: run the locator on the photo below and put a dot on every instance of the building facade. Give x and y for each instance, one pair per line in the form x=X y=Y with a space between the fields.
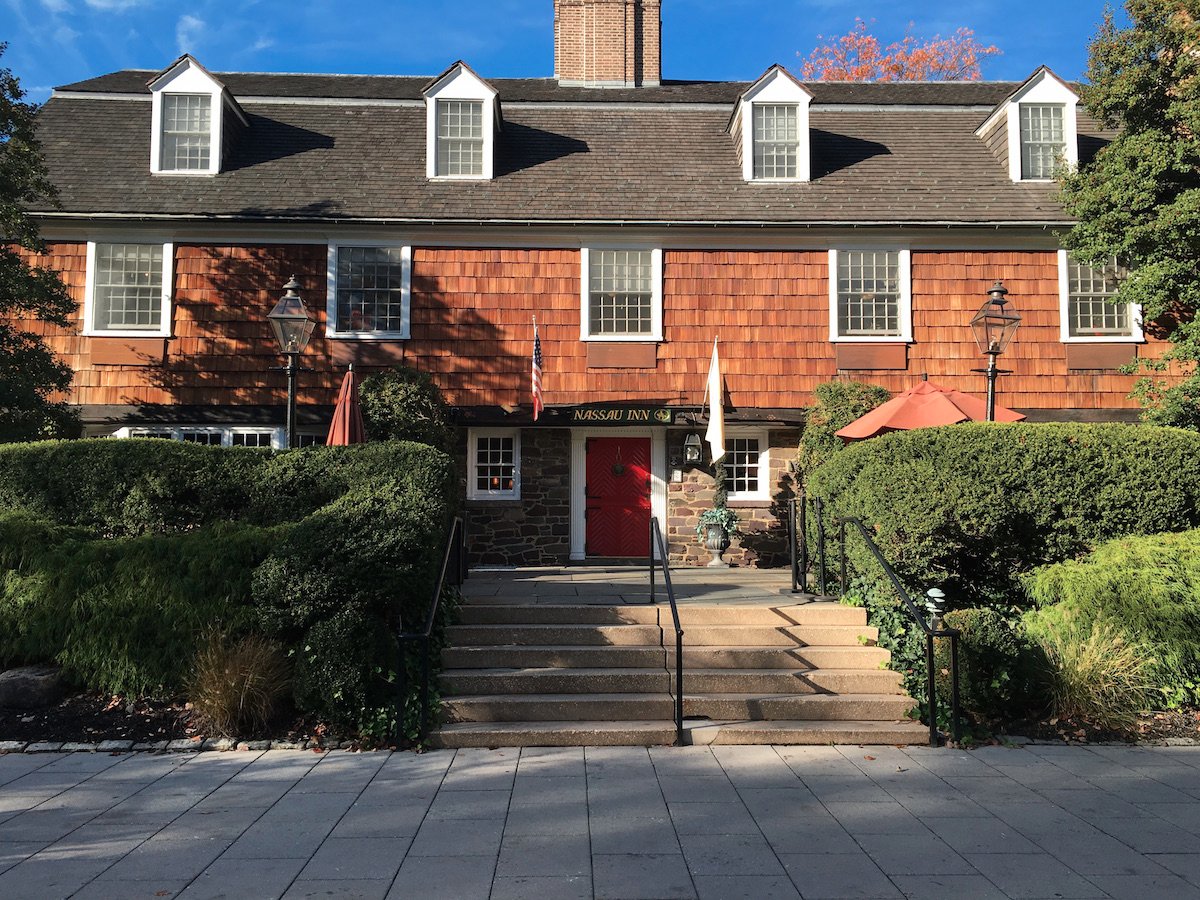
x=815 y=231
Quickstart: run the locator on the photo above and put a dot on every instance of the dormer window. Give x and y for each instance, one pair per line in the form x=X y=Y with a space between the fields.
x=462 y=117
x=460 y=138
x=194 y=120
x=1033 y=130
x=776 y=147
x=1042 y=144
x=186 y=132
x=770 y=128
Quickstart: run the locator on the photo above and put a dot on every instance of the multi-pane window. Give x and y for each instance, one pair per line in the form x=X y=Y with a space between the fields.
x=460 y=137
x=743 y=467
x=372 y=296
x=310 y=440
x=186 y=132
x=775 y=140
x=251 y=439
x=149 y=433
x=211 y=438
x=494 y=464
x=869 y=293
x=1042 y=142
x=1090 y=310
x=128 y=287
x=621 y=292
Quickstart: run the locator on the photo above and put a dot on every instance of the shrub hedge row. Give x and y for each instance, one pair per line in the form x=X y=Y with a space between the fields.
x=116 y=554
x=970 y=508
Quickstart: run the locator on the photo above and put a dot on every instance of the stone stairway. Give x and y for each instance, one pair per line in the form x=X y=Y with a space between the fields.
x=548 y=675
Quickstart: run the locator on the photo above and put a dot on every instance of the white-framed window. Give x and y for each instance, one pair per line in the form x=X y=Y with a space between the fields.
x=1087 y=312
x=252 y=437
x=186 y=132
x=369 y=291
x=493 y=464
x=460 y=138
x=460 y=126
x=215 y=435
x=770 y=128
x=621 y=294
x=1042 y=143
x=128 y=290
x=870 y=295
x=210 y=437
x=747 y=465
x=776 y=141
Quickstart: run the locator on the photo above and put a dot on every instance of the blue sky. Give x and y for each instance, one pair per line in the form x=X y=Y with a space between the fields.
x=54 y=42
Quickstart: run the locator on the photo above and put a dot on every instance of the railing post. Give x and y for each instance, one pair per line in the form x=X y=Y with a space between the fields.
x=401 y=693
x=931 y=686
x=424 y=688
x=842 y=558
x=679 y=687
x=792 y=545
x=803 y=541
x=955 y=728
x=652 y=599
x=821 y=567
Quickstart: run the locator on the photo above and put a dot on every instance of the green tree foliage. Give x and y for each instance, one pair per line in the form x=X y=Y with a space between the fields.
x=1139 y=199
x=838 y=404
x=30 y=374
x=405 y=405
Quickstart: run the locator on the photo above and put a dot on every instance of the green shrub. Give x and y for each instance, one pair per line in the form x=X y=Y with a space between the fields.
x=1148 y=587
x=995 y=665
x=1094 y=671
x=405 y=405
x=972 y=507
x=838 y=404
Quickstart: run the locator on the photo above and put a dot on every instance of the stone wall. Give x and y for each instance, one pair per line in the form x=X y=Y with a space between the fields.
x=532 y=531
x=763 y=539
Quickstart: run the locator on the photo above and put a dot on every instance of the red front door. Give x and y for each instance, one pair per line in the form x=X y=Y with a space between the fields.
x=618 y=496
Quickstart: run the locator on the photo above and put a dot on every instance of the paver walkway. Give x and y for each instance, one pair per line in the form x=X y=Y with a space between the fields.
x=720 y=822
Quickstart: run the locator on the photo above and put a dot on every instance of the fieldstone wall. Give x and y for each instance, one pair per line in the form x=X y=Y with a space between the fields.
x=763 y=541
x=532 y=531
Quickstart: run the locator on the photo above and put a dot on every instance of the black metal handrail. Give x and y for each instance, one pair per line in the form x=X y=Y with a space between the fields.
x=915 y=614
x=453 y=548
x=798 y=541
x=656 y=542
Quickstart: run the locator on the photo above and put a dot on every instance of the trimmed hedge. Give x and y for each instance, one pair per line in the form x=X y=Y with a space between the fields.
x=117 y=553
x=972 y=507
x=1148 y=588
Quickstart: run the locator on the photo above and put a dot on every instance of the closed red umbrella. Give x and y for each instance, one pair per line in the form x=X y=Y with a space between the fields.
x=347 y=425
x=923 y=406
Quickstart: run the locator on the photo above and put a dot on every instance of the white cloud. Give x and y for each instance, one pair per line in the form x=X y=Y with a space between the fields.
x=109 y=5
x=56 y=6
x=65 y=35
x=188 y=32
x=262 y=43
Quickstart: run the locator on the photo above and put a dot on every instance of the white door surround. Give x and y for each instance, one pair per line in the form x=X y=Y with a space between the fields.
x=658 y=478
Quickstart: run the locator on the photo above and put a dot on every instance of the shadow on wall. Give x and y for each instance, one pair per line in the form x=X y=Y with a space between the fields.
x=768 y=547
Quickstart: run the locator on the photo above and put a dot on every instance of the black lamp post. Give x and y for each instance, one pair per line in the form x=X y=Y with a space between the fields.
x=994 y=327
x=293 y=326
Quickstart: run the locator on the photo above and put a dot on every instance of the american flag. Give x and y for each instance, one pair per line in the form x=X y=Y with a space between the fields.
x=538 y=405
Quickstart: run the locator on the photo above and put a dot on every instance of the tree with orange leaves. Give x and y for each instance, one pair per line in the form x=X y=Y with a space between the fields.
x=858 y=56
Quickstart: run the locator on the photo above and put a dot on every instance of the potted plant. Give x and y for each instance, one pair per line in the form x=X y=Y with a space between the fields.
x=716 y=526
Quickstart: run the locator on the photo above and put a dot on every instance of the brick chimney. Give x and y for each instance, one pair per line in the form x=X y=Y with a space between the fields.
x=608 y=43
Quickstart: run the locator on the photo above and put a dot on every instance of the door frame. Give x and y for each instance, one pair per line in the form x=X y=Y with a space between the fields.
x=658 y=479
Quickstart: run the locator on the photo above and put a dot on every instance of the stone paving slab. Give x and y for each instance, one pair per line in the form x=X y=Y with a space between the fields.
x=618 y=823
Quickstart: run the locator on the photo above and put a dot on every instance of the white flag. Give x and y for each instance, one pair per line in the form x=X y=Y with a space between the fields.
x=715 y=435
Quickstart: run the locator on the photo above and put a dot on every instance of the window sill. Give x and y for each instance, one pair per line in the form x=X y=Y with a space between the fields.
x=493 y=501
x=748 y=502
x=869 y=339
x=150 y=335
x=622 y=338
x=366 y=336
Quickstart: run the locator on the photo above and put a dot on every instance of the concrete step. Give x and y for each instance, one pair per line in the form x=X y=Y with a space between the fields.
x=554 y=681
x=558 y=707
x=807 y=707
x=554 y=734
x=459 y=682
x=553 y=657
x=554 y=635
x=844 y=657
x=787 y=636
x=897 y=733
x=689 y=615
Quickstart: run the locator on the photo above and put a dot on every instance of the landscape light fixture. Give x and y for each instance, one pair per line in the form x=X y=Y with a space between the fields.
x=292 y=326
x=994 y=326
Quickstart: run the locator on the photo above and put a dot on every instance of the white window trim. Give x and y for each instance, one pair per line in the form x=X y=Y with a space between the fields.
x=1045 y=90
x=188 y=77
x=656 y=299
x=277 y=432
x=89 y=294
x=331 y=330
x=473 y=492
x=764 y=464
x=777 y=87
x=905 y=301
x=460 y=83
x=1136 y=335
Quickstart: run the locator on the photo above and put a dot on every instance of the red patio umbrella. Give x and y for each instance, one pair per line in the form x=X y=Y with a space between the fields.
x=923 y=406
x=347 y=425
